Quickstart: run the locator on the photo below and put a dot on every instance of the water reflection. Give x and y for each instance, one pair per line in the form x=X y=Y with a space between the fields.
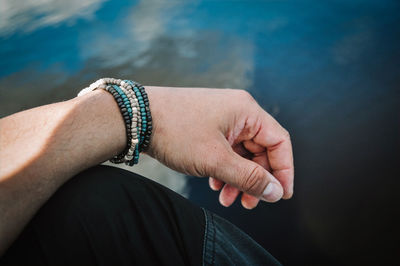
x=329 y=71
x=137 y=43
x=150 y=37
x=19 y=16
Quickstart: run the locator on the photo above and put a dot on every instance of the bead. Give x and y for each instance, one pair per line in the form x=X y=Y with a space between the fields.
x=132 y=100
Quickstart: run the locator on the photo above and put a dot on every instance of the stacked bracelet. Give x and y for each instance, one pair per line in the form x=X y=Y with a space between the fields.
x=149 y=128
x=146 y=120
x=133 y=103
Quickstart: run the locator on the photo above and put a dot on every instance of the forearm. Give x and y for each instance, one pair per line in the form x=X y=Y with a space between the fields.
x=201 y=132
x=42 y=148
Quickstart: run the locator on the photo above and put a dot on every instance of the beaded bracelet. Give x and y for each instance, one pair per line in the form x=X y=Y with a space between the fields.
x=133 y=126
x=146 y=116
x=144 y=120
x=146 y=139
x=133 y=103
x=120 y=98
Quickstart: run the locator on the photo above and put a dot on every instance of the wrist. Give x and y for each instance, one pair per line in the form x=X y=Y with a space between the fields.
x=133 y=103
x=104 y=125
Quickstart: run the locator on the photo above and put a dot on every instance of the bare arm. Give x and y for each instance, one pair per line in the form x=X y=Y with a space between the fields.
x=43 y=147
x=203 y=132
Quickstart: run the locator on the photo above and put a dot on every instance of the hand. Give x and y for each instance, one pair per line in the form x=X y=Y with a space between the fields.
x=226 y=135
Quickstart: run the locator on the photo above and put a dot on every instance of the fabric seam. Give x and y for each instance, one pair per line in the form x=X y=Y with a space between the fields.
x=213 y=240
x=205 y=235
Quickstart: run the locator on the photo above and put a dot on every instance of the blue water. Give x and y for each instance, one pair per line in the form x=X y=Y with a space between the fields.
x=329 y=71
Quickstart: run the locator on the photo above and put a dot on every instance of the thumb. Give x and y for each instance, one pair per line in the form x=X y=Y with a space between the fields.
x=249 y=177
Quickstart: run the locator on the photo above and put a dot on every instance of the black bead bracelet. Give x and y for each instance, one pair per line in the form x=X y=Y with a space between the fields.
x=127 y=120
x=133 y=102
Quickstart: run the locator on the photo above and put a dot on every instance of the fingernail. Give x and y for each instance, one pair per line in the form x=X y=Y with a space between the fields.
x=271 y=193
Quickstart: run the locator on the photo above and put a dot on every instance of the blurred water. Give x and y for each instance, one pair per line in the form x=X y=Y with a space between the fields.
x=329 y=71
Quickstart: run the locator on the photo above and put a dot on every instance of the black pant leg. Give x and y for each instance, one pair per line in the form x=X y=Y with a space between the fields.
x=109 y=216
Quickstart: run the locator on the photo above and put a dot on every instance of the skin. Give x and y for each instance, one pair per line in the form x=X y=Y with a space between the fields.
x=220 y=133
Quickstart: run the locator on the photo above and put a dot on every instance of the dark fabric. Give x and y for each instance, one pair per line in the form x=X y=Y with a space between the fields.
x=109 y=216
x=225 y=244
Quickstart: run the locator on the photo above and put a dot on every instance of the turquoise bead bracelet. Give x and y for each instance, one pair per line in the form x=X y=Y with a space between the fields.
x=134 y=107
x=120 y=97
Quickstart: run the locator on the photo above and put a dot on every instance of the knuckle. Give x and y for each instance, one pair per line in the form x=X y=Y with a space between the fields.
x=254 y=182
x=242 y=98
x=245 y=95
x=286 y=134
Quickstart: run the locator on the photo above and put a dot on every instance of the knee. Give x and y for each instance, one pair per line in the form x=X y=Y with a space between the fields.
x=101 y=191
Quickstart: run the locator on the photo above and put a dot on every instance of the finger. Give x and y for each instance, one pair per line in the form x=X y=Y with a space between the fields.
x=262 y=159
x=253 y=147
x=228 y=195
x=249 y=201
x=242 y=151
x=279 y=151
x=247 y=176
x=215 y=184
